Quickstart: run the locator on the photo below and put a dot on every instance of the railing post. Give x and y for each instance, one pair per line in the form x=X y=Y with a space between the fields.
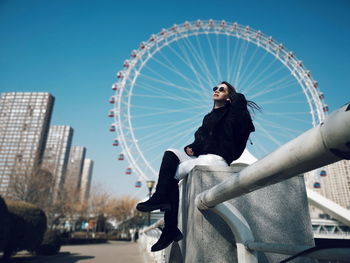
x=240 y=229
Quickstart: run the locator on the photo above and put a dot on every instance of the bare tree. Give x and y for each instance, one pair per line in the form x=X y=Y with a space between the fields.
x=121 y=208
x=99 y=200
x=34 y=188
x=67 y=205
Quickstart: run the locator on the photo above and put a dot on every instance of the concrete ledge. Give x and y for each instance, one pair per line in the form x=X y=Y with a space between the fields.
x=276 y=214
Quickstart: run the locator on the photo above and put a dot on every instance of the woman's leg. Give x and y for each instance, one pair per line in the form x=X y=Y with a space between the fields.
x=170 y=231
x=161 y=198
x=170 y=217
x=166 y=197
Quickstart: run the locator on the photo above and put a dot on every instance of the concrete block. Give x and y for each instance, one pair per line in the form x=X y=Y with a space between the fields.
x=276 y=214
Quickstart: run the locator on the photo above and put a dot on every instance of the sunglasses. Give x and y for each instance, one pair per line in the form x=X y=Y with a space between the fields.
x=221 y=89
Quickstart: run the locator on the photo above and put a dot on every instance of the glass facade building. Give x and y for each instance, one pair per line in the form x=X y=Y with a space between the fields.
x=334 y=182
x=86 y=180
x=56 y=155
x=24 y=123
x=75 y=167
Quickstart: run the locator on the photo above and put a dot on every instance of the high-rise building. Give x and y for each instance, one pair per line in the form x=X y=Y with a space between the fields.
x=86 y=180
x=56 y=155
x=332 y=181
x=24 y=123
x=75 y=167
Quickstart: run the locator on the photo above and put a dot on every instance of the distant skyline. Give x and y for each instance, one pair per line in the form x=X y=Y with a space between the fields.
x=73 y=50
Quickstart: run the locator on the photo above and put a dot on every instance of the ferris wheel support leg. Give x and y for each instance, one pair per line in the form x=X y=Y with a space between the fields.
x=322 y=145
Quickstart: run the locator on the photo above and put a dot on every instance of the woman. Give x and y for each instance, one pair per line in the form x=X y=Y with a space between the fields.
x=220 y=140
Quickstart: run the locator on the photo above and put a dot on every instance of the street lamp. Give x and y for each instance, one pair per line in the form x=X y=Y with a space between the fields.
x=150 y=185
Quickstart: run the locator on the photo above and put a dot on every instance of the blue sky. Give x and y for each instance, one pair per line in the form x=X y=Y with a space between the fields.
x=73 y=49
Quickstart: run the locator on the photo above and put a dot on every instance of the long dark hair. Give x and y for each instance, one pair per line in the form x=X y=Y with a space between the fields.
x=232 y=93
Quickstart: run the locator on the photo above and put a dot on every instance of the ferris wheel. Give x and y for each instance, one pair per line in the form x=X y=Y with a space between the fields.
x=164 y=90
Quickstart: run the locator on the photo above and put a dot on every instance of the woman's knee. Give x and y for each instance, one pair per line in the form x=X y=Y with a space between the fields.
x=170 y=155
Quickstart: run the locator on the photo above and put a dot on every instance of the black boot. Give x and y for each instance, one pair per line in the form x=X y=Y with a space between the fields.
x=170 y=217
x=171 y=232
x=161 y=199
x=156 y=201
x=168 y=236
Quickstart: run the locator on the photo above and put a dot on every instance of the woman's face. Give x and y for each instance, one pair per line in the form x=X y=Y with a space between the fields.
x=220 y=93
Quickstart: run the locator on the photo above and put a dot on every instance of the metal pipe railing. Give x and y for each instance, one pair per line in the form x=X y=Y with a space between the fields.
x=289 y=249
x=333 y=209
x=322 y=145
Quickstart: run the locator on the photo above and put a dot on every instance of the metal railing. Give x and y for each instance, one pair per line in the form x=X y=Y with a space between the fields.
x=148 y=237
x=322 y=145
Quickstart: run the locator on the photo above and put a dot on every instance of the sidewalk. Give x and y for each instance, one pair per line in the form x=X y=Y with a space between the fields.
x=111 y=252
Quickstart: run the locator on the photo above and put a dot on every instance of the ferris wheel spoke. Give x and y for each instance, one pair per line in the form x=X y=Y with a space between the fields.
x=285 y=116
x=218 y=75
x=233 y=59
x=178 y=55
x=162 y=124
x=201 y=63
x=199 y=77
x=174 y=69
x=228 y=52
x=166 y=94
x=242 y=54
x=268 y=135
x=167 y=112
x=165 y=138
x=254 y=69
x=186 y=91
x=169 y=144
x=258 y=78
x=282 y=99
x=200 y=58
x=280 y=127
x=190 y=82
x=283 y=80
x=264 y=79
x=157 y=157
x=175 y=124
x=186 y=100
x=280 y=130
x=260 y=146
x=269 y=89
x=248 y=64
x=285 y=113
x=196 y=52
x=238 y=62
x=218 y=55
x=169 y=84
x=157 y=108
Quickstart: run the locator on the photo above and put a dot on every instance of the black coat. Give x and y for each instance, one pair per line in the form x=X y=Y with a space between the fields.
x=224 y=131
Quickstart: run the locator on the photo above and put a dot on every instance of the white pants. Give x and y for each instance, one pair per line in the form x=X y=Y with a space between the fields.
x=187 y=163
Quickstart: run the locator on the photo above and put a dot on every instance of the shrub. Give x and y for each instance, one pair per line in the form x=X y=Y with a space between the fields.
x=51 y=244
x=27 y=227
x=4 y=224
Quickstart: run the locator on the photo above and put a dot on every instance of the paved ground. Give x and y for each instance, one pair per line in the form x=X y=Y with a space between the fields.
x=112 y=252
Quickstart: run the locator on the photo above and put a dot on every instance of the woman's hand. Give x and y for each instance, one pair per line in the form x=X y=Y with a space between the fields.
x=189 y=151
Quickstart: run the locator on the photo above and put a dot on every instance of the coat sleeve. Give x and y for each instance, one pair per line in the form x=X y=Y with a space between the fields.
x=197 y=145
x=237 y=127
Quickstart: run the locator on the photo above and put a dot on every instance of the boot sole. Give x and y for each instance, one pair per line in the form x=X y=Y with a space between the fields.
x=176 y=239
x=179 y=237
x=149 y=208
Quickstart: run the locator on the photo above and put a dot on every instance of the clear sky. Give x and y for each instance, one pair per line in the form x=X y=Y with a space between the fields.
x=73 y=49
